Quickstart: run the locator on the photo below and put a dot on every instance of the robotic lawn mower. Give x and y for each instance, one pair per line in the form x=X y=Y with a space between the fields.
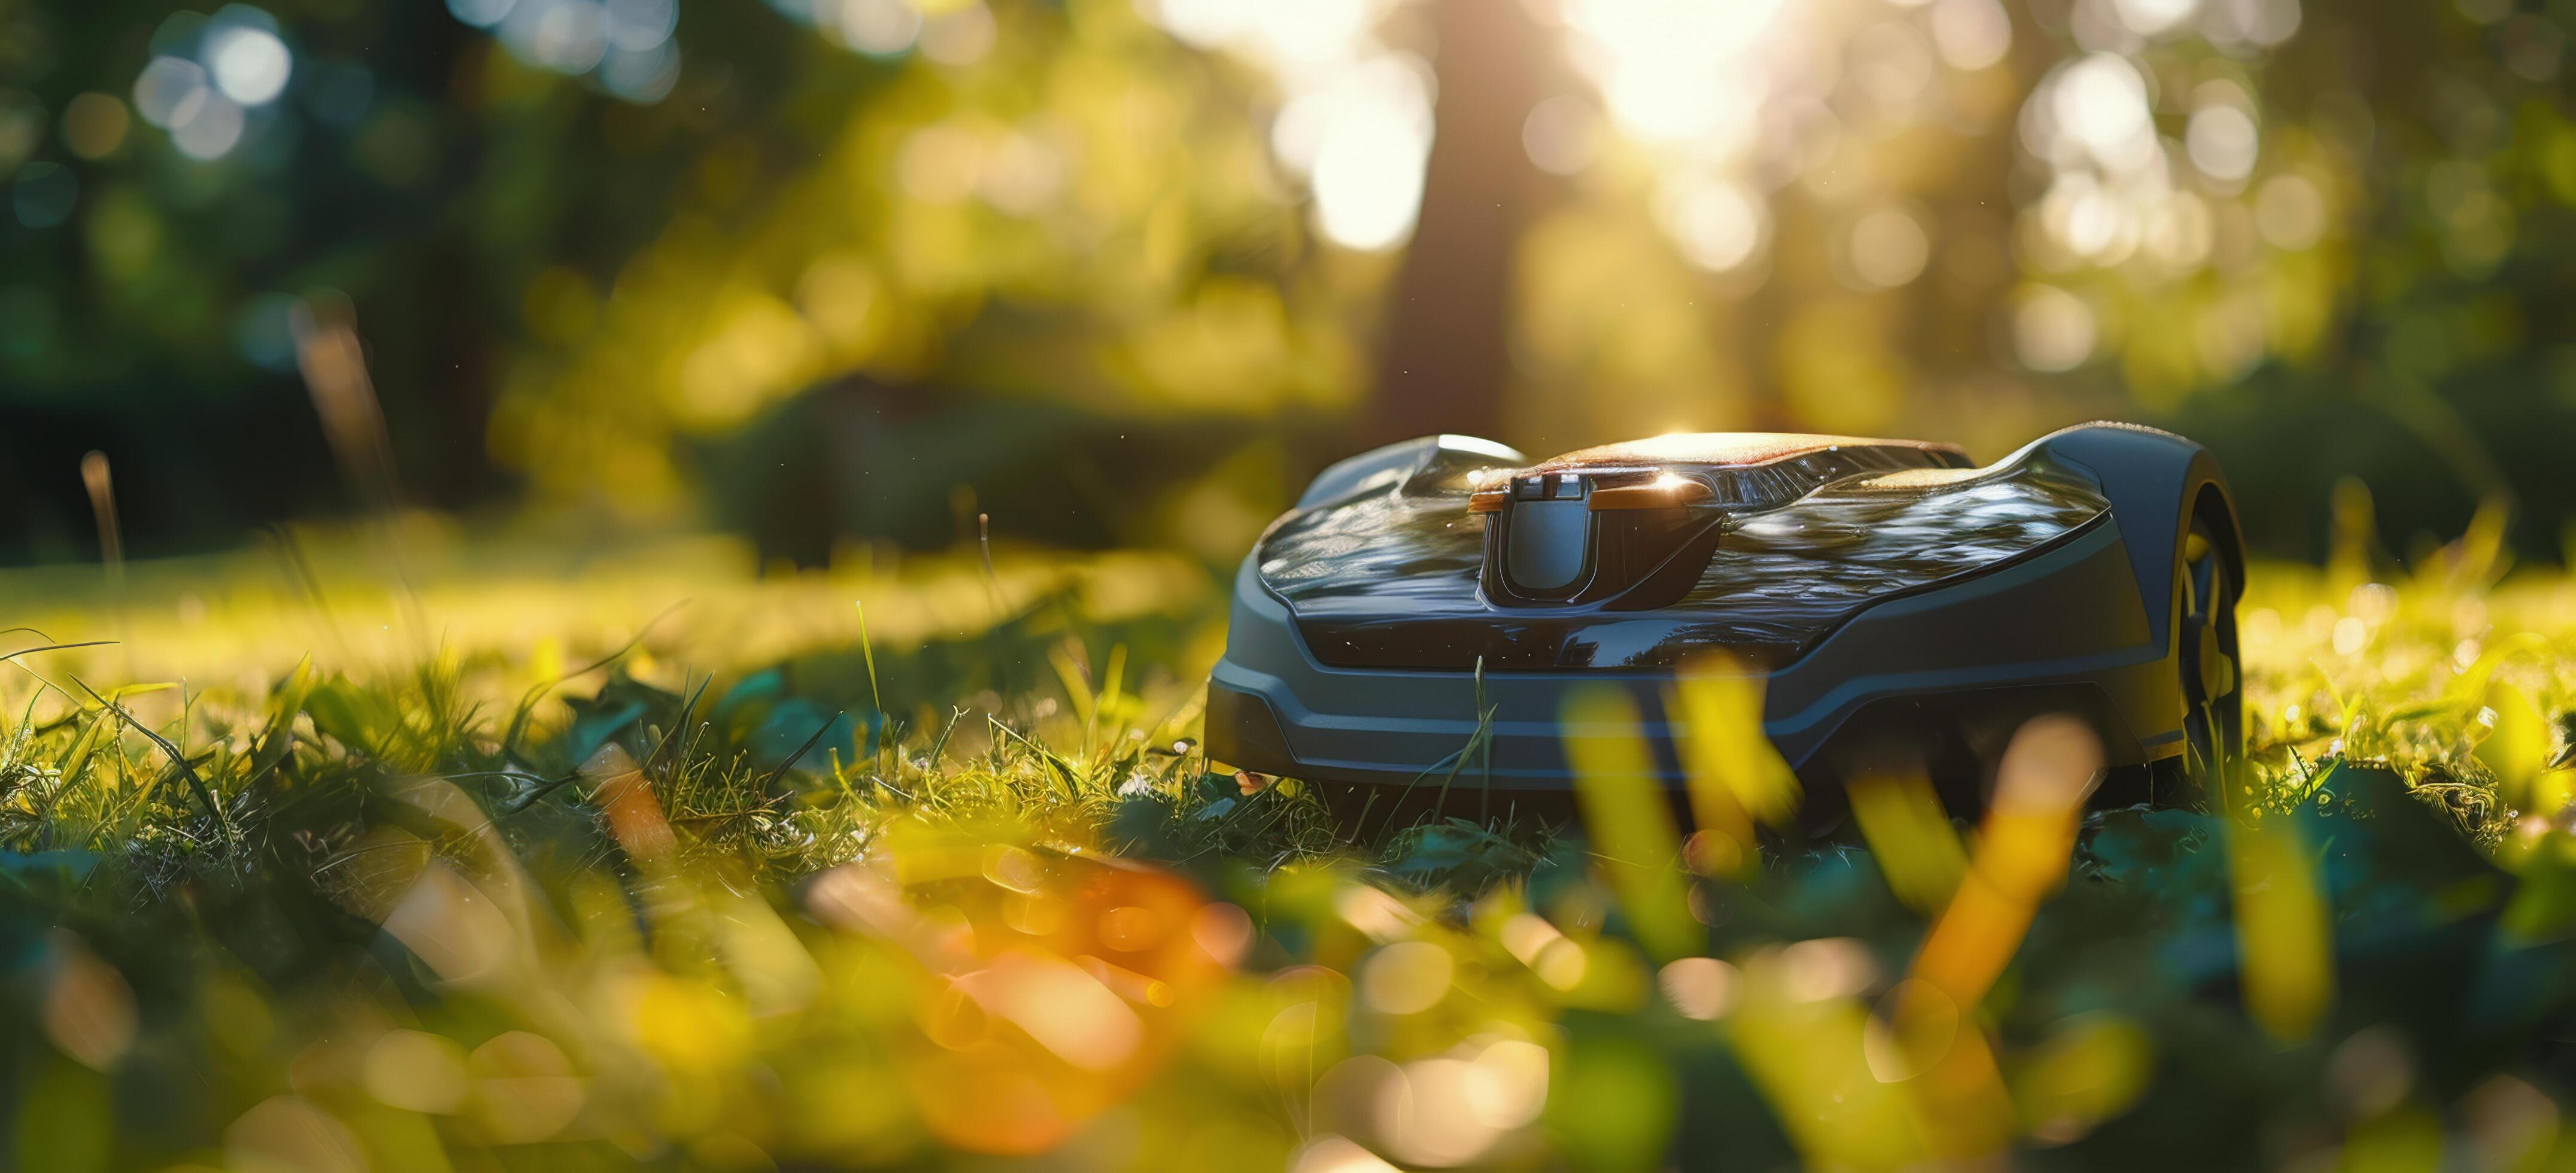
x=1889 y=591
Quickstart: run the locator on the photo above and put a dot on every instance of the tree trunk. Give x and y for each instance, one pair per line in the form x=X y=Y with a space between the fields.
x=1445 y=363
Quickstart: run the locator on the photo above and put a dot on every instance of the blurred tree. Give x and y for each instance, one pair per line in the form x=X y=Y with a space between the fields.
x=1444 y=362
x=620 y=255
x=180 y=179
x=1059 y=206
x=2377 y=273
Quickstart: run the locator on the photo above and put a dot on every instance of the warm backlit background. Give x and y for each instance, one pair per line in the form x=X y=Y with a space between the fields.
x=828 y=272
x=499 y=797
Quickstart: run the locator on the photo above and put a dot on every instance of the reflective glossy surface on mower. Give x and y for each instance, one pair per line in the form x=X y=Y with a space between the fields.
x=1872 y=582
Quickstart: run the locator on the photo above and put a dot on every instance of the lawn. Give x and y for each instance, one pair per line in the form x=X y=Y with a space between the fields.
x=390 y=850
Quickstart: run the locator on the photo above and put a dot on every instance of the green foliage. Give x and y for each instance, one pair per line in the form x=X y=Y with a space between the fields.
x=818 y=292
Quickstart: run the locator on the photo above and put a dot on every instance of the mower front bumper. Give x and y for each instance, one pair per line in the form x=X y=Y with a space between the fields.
x=2061 y=628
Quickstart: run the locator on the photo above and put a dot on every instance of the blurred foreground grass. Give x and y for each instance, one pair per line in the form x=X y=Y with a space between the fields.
x=394 y=852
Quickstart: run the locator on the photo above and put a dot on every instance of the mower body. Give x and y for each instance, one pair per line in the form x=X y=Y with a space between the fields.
x=1877 y=585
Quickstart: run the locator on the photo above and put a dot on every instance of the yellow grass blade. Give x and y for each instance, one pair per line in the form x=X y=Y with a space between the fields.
x=1625 y=809
x=1910 y=835
x=1735 y=776
x=2283 y=938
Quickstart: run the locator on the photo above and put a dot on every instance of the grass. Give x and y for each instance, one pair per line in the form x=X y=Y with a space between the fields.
x=479 y=857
